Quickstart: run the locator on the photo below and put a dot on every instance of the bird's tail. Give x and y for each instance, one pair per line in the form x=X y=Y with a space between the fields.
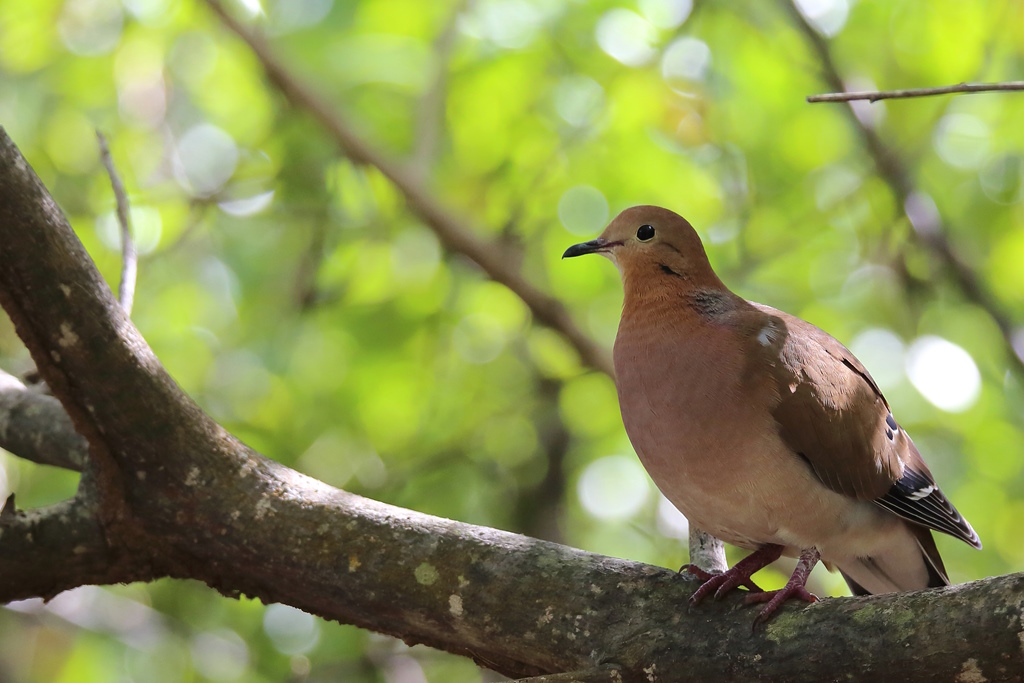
x=910 y=562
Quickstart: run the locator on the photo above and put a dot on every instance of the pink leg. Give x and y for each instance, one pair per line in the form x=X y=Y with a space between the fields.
x=739 y=575
x=794 y=588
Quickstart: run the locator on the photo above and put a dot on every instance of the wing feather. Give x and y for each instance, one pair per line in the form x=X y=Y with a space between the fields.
x=833 y=415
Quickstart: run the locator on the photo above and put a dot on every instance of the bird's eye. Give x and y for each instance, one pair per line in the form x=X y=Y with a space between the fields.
x=645 y=232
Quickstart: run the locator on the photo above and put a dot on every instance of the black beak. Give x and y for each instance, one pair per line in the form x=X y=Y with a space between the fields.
x=591 y=247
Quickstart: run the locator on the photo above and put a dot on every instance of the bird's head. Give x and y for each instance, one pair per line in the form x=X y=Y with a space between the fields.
x=651 y=242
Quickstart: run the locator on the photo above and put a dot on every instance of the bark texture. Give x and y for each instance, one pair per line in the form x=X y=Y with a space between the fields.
x=167 y=492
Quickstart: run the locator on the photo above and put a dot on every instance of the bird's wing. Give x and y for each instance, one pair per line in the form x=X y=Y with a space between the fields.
x=832 y=414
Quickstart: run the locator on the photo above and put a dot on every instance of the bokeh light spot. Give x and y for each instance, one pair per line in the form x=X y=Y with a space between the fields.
x=206 y=159
x=686 y=59
x=613 y=488
x=827 y=16
x=291 y=630
x=944 y=373
x=627 y=37
x=666 y=14
x=963 y=140
x=583 y=210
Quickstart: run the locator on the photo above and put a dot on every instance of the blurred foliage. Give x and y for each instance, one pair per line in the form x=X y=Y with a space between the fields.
x=297 y=299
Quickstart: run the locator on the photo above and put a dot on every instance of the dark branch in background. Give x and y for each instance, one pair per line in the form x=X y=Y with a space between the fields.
x=307 y=294
x=930 y=232
x=34 y=426
x=538 y=508
x=874 y=96
x=129 y=258
x=454 y=232
x=518 y=605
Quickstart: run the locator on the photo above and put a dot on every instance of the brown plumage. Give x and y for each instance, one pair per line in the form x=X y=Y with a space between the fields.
x=761 y=428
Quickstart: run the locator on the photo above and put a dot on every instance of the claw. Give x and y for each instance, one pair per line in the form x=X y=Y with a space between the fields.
x=775 y=600
x=694 y=570
x=794 y=588
x=721 y=583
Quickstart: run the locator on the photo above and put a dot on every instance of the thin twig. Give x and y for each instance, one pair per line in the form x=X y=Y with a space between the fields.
x=129 y=257
x=456 y=233
x=875 y=95
x=891 y=168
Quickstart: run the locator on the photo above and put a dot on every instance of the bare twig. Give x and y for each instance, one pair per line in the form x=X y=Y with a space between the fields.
x=456 y=233
x=934 y=235
x=129 y=257
x=874 y=96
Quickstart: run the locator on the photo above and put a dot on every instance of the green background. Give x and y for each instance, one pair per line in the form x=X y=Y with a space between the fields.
x=296 y=298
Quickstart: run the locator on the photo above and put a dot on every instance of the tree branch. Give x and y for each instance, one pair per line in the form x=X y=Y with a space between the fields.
x=44 y=552
x=34 y=426
x=453 y=231
x=200 y=504
x=933 y=234
x=876 y=95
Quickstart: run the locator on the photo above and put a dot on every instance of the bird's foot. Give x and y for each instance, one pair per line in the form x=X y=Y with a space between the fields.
x=776 y=598
x=795 y=588
x=720 y=583
x=694 y=570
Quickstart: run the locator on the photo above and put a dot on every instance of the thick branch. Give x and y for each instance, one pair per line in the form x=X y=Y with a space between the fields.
x=202 y=505
x=876 y=95
x=34 y=426
x=934 y=236
x=454 y=232
x=46 y=551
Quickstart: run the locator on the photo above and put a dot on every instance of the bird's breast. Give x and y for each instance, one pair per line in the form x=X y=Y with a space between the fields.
x=687 y=394
x=690 y=416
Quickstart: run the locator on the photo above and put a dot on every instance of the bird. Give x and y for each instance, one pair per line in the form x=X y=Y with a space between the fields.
x=762 y=429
